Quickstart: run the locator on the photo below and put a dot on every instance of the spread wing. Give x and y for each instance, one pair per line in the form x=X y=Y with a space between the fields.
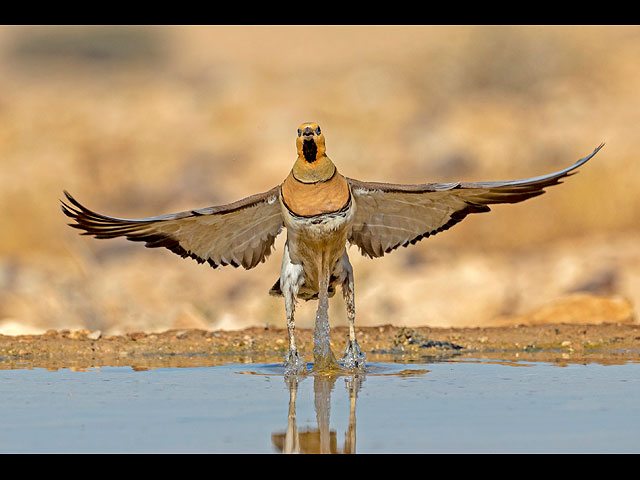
x=239 y=233
x=389 y=215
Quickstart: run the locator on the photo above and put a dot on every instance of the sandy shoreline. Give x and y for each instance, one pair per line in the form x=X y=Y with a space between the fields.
x=556 y=343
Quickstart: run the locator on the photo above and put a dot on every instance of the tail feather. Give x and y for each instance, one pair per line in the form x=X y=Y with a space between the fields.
x=304 y=294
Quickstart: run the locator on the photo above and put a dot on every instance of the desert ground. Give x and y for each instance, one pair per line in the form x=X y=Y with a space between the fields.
x=558 y=344
x=143 y=121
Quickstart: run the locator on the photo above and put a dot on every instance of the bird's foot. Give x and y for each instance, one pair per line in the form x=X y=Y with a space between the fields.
x=354 y=358
x=293 y=365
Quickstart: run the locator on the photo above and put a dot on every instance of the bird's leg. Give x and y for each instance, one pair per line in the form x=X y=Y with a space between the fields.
x=291 y=277
x=353 y=357
x=322 y=354
x=293 y=363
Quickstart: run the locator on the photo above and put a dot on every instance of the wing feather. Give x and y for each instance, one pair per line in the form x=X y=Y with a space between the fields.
x=239 y=234
x=392 y=215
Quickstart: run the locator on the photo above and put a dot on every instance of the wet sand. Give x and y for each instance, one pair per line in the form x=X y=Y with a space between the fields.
x=555 y=343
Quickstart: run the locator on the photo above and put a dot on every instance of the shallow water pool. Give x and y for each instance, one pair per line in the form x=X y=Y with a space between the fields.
x=452 y=406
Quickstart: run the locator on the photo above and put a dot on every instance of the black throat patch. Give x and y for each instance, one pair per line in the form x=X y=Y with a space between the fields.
x=309 y=150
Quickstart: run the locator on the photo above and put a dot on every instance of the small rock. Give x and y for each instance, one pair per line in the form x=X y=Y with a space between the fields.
x=78 y=334
x=96 y=334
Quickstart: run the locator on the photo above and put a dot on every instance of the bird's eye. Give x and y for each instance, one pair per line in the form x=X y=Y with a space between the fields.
x=318 y=131
x=299 y=132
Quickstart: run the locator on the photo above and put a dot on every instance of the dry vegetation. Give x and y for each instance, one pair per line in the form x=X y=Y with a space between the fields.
x=144 y=121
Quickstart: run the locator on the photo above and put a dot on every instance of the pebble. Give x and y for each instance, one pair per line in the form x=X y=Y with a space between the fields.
x=96 y=334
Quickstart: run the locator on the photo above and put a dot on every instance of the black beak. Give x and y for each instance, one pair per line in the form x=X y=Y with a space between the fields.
x=308 y=131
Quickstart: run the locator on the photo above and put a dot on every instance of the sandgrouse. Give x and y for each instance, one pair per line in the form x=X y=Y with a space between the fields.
x=322 y=211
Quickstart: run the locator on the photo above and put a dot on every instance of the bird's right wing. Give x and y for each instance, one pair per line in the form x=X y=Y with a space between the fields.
x=239 y=234
x=388 y=215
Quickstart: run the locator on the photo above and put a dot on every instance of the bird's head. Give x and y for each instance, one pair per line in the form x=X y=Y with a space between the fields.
x=310 y=142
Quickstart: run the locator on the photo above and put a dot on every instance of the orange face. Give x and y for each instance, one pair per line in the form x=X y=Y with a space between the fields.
x=310 y=142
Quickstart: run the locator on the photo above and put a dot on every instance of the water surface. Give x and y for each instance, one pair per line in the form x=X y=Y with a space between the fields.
x=452 y=406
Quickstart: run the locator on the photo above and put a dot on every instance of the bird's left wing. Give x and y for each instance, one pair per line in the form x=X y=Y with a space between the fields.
x=239 y=233
x=390 y=215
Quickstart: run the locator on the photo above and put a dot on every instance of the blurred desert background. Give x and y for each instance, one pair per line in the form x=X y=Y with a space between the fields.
x=140 y=121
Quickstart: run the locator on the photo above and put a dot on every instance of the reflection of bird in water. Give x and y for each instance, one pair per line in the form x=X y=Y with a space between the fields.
x=322 y=211
x=321 y=439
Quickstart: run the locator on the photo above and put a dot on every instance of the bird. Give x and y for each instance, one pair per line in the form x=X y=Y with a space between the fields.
x=323 y=213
